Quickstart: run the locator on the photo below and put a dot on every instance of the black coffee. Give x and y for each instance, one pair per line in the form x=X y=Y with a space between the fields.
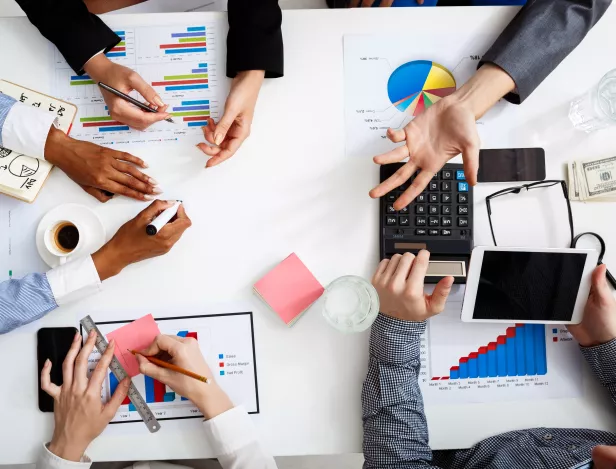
x=67 y=237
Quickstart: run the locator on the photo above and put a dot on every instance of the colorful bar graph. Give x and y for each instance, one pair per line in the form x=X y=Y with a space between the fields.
x=103 y=123
x=80 y=80
x=155 y=391
x=521 y=351
x=189 y=81
x=183 y=45
x=113 y=385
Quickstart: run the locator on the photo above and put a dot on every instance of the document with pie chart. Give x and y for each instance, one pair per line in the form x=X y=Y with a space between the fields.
x=390 y=80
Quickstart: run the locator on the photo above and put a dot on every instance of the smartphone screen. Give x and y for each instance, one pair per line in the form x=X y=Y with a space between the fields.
x=511 y=164
x=53 y=343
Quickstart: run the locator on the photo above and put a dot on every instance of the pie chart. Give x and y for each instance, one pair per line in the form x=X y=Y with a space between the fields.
x=417 y=85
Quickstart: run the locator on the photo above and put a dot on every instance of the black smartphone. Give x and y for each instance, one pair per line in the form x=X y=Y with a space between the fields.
x=511 y=164
x=53 y=343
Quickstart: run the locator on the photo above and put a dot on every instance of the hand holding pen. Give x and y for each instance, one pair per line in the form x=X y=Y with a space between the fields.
x=132 y=100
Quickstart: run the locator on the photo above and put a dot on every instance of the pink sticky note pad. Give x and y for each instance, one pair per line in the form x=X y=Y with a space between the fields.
x=136 y=335
x=289 y=289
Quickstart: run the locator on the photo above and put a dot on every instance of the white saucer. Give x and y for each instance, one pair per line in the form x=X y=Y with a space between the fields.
x=94 y=235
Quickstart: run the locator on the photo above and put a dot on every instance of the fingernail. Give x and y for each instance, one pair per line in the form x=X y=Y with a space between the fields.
x=47 y=362
x=153 y=181
x=158 y=101
x=112 y=343
x=76 y=336
x=92 y=334
x=145 y=165
x=218 y=138
x=156 y=191
x=148 y=197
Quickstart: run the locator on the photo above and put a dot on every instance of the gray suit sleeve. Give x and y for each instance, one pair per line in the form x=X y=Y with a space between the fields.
x=539 y=37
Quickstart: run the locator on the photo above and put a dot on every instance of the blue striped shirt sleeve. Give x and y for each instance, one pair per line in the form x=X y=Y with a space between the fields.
x=6 y=103
x=24 y=301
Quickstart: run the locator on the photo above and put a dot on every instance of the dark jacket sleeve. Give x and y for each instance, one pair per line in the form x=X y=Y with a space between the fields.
x=255 y=37
x=540 y=36
x=76 y=32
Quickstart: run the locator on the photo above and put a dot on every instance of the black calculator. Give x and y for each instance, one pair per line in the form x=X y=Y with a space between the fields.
x=440 y=220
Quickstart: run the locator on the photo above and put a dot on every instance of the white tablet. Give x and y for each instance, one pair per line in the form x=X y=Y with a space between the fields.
x=525 y=285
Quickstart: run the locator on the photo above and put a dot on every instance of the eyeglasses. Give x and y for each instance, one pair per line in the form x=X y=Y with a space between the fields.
x=533 y=185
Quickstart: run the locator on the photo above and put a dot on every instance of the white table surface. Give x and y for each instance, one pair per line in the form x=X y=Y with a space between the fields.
x=291 y=188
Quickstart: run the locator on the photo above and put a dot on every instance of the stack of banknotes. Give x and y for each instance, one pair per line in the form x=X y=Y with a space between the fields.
x=593 y=180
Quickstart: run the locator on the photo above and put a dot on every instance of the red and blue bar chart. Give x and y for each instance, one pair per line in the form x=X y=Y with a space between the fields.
x=520 y=352
x=120 y=49
x=191 y=40
x=103 y=123
x=194 y=113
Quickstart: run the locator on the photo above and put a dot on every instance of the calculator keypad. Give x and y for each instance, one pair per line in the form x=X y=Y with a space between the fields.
x=443 y=210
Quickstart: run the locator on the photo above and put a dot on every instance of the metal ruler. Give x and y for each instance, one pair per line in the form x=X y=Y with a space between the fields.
x=118 y=370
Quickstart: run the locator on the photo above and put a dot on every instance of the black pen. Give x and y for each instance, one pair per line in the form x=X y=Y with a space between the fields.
x=129 y=99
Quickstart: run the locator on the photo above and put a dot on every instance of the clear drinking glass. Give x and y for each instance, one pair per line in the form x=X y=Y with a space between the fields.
x=351 y=304
x=595 y=109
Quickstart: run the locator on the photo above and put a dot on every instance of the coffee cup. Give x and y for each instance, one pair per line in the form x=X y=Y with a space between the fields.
x=63 y=239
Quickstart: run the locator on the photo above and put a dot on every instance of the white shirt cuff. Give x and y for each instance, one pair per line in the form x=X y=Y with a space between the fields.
x=26 y=129
x=48 y=460
x=230 y=431
x=74 y=280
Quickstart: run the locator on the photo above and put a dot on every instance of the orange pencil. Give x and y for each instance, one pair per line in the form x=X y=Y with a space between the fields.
x=171 y=366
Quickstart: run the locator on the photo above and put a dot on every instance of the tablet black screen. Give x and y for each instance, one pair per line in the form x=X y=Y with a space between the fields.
x=528 y=286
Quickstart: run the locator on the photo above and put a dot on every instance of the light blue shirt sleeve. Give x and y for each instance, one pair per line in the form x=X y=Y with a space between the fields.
x=25 y=300
x=6 y=103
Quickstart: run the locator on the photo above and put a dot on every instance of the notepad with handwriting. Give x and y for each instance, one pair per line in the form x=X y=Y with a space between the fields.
x=289 y=289
x=22 y=176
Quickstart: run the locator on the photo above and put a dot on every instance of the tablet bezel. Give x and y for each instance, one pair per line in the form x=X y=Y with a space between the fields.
x=474 y=271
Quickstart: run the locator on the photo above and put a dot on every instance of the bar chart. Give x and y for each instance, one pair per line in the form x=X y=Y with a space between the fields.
x=174 y=43
x=227 y=343
x=179 y=80
x=477 y=363
x=179 y=61
x=520 y=352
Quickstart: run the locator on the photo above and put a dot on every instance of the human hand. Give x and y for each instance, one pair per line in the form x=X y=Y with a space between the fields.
x=598 y=325
x=131 y=244
x=123 y=79
x=79 y=414
x=98 y=168
x=400 y=285
x=444 y=130
x=234 y=126
x=185 y=352
x=441 y=132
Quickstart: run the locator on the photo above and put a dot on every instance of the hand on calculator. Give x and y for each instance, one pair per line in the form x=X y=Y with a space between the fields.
x=444 y=130
x=399 y=282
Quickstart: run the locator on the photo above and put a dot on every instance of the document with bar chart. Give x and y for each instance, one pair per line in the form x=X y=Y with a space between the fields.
x=465 y=362
x=227 y=343
x=179 y=62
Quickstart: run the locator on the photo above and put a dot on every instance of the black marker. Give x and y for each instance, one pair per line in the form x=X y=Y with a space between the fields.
x=162 y=219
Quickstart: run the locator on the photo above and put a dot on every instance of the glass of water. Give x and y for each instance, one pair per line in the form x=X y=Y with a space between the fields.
x=597 y=108
x=351 y=304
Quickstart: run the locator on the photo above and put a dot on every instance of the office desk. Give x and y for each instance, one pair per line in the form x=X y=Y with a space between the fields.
x=291 y=188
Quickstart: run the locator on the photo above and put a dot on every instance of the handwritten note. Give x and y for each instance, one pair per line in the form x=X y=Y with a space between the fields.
x=137 y=335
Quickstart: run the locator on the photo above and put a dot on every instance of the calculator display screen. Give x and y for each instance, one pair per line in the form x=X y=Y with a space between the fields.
x=528 y=286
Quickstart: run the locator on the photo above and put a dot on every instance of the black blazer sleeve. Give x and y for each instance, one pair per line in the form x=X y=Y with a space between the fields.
x=255 y=37
x=76 y=32
x=539 y=37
